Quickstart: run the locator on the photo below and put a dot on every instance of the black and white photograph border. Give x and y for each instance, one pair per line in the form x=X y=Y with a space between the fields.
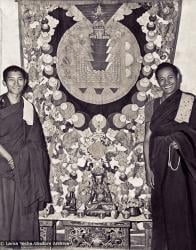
x=91 y=67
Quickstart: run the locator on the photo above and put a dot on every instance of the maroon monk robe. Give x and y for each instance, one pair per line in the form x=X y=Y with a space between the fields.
x=174 y=193
x=25 y=190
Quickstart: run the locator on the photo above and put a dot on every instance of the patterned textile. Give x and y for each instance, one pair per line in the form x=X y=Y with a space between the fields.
x=91 y=72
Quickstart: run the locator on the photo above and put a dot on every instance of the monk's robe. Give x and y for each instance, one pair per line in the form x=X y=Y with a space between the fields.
x=174 y=193
x=25 y=190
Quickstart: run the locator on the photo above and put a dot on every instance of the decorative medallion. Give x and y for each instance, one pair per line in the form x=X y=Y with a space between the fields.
x=98 y=63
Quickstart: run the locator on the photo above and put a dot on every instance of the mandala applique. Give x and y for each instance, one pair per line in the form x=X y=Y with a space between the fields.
x=98 y=62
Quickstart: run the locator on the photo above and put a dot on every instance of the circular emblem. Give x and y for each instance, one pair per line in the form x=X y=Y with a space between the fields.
x=98 y=63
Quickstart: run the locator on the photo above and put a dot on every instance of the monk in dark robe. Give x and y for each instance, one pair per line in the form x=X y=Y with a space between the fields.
x=170 y=155
x=24 y=162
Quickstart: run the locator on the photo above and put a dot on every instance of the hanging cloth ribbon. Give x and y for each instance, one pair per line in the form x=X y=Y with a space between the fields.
x=28 y=112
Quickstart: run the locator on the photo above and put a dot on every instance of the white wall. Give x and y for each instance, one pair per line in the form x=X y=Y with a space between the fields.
x=186 y=46
x=185 y=54
x=10 y=36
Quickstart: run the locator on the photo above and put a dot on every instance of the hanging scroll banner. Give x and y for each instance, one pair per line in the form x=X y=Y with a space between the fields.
x=91 y=71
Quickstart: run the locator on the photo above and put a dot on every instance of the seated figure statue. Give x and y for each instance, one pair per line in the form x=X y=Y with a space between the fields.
x=100 y=197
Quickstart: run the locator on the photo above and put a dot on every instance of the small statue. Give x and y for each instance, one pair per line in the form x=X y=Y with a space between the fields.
x=100 y=191
x=100 y=198
x=71 y=201
x=70 y=204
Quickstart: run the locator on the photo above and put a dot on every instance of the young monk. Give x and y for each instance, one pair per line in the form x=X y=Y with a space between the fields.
x=24 y=164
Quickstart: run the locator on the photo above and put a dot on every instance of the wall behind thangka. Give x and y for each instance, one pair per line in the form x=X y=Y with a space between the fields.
x=186 y=46
x=0 y=38
x=10 y=45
